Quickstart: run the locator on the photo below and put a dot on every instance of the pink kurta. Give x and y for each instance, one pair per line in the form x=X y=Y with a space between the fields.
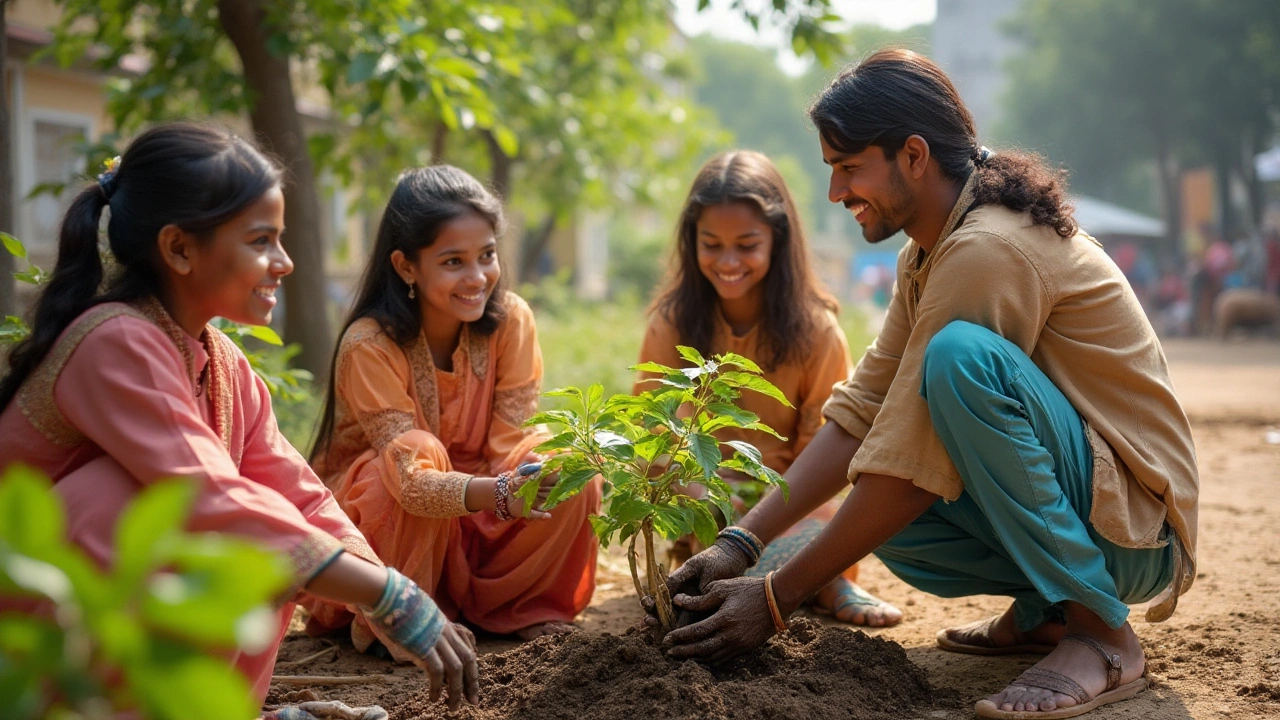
x=113 y=408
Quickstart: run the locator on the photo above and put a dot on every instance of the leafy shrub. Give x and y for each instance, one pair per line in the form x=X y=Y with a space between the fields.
x=650 y=448
x=139 y=635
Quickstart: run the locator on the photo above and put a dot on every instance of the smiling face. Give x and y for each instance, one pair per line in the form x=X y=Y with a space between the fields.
x=455 y=275
x=236 y=273
x=734 y=244
x=872 y=187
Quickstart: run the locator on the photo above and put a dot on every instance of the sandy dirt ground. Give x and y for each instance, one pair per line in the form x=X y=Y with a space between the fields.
x=1219 y=656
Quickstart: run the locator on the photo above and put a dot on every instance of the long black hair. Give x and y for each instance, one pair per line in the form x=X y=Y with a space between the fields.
x=795 y=297
x=193 y=176
x=424 y=201
x=894 y=94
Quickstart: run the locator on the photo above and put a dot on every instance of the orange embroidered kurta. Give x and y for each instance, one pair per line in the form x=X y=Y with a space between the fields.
x=113 y=408
x=408 y=436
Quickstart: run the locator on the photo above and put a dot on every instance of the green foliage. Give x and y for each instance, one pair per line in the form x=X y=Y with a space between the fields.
x=651 y=447
x=1163 y=85
x=269 y=357
x=138 y=636
x=13 y=329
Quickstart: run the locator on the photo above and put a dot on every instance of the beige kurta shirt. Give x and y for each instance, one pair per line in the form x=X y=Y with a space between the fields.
x=1069 y=308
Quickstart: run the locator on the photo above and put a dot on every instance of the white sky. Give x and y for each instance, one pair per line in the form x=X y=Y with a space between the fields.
x=722 y=22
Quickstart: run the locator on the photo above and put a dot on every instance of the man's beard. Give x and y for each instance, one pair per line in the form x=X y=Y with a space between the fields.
x=890 y=222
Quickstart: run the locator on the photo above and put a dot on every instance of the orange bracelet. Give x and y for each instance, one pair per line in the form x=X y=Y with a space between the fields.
x=778 y=623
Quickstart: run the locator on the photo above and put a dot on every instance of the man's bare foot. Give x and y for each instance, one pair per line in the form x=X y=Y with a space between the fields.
x=547 y=628
x=847 y=602
x=1000 y=635
x=1076 y=662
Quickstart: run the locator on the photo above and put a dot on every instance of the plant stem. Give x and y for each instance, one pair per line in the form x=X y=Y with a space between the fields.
x=657 y=587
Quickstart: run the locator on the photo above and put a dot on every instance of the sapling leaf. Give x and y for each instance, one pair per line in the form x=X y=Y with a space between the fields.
x=765 y=429
x=594 y=398
x=704 y=525
x=724 y=390
x=729 y=410
x=691 y=354
x=653 y=367
x=747 y=450
x=563 y=441
x=570 y=483
x=740 y=361
x=553 y=417
x=678 y=380
x=706 y=450
x=671 y=522
x=756 y=383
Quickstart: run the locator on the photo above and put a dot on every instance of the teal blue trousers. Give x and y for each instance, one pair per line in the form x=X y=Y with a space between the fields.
x=1021 y=527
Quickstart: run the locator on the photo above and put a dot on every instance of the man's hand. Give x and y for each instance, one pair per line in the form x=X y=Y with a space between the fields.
x=741 y=621
x=721 y=561
x=453 y=661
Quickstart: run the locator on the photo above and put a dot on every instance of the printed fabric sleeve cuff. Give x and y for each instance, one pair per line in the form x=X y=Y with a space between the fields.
x=435 y=494
x=309 y=558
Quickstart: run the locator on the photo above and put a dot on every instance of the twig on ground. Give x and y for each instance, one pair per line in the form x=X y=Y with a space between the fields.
x=332 y=679
x=313 y=656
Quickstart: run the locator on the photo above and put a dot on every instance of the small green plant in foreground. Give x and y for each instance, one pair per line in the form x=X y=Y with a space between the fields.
x=140 y=635
x=650 y=448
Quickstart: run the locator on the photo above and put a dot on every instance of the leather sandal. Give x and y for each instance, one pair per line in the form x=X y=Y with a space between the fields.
x=981 y=641
x=1056 y=682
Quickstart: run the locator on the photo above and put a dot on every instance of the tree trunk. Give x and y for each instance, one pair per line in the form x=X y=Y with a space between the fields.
x=8 y=287
x=1222 y=167
x=500 y=166
x=278 y=126
x=1169 y=178
x=439 y=142
x=534 y=244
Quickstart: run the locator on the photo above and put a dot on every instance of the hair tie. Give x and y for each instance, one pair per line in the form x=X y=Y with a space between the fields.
x=984 y=154
x=107 y=180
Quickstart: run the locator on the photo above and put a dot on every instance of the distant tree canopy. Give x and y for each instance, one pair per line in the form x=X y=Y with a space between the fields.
x=1118 y=89
x=573 y=100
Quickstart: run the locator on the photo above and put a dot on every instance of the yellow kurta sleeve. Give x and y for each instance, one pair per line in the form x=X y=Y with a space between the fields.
x=855 y=403
x=517 y=388
x=977 y=277
x=374 y=382
x=828 y=365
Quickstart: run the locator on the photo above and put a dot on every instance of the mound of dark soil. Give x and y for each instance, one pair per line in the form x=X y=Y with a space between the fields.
x=812 y=673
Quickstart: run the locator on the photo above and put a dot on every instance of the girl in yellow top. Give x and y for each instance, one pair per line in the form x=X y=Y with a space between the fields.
x=743 y=284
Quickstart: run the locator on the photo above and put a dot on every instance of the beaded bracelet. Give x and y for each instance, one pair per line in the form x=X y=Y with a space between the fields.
x=744 y=540
x=778 y=623
x=500 y=507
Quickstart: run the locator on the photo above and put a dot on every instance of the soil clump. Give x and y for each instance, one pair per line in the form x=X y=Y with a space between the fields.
x=812 y=673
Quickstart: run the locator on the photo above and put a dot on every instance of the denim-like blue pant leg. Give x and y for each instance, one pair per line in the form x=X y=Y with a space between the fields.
x=1021 y=527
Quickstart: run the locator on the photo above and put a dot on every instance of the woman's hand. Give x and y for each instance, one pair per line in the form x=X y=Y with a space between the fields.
x=545 y=483
x=453 y=661
x=741 y=621
x=410 y=619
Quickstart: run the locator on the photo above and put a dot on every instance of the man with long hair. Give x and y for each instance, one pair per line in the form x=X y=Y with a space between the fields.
x=1012 y=431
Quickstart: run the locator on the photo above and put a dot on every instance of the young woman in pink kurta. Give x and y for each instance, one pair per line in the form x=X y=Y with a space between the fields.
x=743 y=284
x=115 y=391
x=436 y=372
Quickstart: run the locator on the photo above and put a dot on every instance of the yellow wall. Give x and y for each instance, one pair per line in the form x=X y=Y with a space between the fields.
x=50 y=89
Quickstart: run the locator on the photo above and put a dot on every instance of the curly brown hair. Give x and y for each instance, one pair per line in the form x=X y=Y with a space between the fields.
x=894 y=94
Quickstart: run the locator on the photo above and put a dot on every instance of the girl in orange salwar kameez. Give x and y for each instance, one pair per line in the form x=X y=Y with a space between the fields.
x=115 y=391
x=743 y=285
x=434 y=376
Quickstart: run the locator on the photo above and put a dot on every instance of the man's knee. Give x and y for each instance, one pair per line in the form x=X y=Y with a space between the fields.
x=953 y=350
